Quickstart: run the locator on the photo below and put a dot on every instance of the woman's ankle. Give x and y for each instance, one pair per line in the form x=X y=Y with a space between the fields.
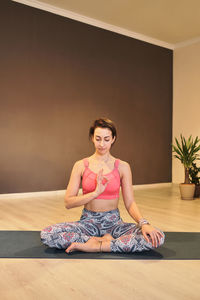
x=105 y=246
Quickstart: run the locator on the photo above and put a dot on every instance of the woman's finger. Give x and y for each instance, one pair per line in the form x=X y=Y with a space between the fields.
x=146 y=237
x=99 y=175
x=158 y=236
x=154 y=239
x=160 y=233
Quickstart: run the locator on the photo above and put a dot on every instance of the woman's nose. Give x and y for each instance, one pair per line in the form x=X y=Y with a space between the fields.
x=102 y=143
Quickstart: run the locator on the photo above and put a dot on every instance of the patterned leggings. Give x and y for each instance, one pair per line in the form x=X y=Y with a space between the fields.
x=127 y=236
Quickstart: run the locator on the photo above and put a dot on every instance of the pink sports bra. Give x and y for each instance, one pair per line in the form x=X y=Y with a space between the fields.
x=89 y=181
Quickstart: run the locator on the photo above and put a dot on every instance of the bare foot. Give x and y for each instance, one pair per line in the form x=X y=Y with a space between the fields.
x=92 y=245
x=108 y=237
x=98 y=238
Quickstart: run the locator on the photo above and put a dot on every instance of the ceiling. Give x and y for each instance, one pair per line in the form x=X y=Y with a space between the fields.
x=172 y=22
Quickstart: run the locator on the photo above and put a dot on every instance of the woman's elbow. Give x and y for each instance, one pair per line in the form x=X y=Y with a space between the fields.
x=67 y=202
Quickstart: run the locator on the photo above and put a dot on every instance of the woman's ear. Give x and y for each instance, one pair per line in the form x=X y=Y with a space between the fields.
x=113 y=139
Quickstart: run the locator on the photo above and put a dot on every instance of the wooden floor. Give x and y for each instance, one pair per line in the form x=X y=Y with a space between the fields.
x=100 y=279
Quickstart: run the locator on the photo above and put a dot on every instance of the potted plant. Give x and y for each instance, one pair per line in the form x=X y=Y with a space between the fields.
x=186 y=152
x=194 y=178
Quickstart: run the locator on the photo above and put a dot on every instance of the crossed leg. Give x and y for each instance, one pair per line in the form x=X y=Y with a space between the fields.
x=62 y=235
x=126 y=237
x=72 y=236
x=92 y=245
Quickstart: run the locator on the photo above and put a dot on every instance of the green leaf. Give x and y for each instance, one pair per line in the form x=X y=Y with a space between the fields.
x=186 y=150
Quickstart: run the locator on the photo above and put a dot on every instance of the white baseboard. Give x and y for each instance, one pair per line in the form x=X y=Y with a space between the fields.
x=152 y=186
x=62 y=192
x=32 y=194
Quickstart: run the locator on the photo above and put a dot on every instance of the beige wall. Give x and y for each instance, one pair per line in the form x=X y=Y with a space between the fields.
x=186 y=98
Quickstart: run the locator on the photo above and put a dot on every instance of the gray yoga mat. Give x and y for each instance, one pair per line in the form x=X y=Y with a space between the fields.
x=27 y=244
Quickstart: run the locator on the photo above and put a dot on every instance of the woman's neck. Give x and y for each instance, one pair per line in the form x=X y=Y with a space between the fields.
x=99 y=157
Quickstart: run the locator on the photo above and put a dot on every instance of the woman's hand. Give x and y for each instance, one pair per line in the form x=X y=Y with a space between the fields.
x=102 y=183
x=151 y=235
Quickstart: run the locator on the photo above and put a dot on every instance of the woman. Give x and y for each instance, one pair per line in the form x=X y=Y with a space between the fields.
x=100 y=228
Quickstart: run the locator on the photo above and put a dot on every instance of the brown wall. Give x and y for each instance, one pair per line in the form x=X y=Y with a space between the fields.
x=57 y=76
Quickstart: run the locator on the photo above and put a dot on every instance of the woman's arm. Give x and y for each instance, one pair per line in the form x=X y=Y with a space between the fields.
x=127 y=191
x=71 y=198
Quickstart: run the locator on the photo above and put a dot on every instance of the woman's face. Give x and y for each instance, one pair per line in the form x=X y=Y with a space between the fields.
x=103 y=139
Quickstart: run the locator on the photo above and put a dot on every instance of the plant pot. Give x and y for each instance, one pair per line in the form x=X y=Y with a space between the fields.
x=197 y=191
x=187 y=191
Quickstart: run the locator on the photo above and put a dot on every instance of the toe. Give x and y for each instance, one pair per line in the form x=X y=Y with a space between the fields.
x=71 y=248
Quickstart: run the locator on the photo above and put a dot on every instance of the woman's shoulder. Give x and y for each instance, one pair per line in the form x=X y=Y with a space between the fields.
x=123 y=163
x=79 y=167
x=123 y=166
x=80 y=163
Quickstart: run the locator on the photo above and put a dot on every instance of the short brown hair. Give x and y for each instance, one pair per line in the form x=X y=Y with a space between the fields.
x=103 y=123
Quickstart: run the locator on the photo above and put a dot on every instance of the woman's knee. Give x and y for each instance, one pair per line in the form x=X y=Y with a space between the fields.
x=46 y=231
x=133 y=243
x=51 y=234
x=62 y=235
x=160 y=241
x=45 y=235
